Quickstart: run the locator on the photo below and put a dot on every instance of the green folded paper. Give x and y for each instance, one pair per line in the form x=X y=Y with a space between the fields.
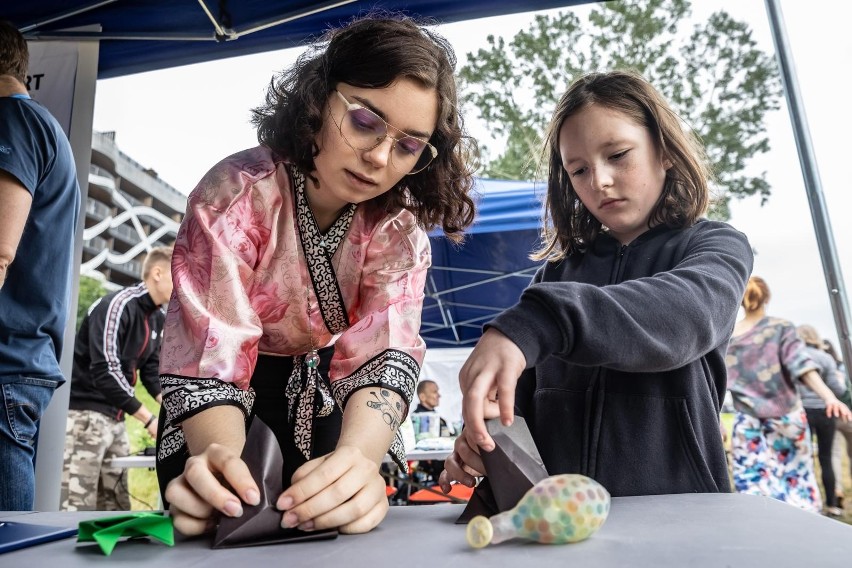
x=107 y=531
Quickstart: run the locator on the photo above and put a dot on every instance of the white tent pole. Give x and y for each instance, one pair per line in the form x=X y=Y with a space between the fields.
x=813 y=185
x=51 y=439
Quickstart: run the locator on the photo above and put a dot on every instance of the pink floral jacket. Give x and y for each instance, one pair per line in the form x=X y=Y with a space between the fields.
x=243 y=286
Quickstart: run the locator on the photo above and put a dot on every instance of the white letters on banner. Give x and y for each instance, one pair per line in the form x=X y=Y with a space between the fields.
x=51 y=77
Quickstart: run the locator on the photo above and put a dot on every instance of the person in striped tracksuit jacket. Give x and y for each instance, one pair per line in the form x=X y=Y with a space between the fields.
x=120 y=337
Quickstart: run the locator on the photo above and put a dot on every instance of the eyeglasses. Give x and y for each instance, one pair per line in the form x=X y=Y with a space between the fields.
x=362 y=129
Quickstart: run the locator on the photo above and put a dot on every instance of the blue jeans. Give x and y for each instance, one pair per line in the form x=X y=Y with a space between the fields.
x=22 y=404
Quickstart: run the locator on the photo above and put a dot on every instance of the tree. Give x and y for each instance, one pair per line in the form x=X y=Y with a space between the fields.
x=714 y=76
x=90 y=290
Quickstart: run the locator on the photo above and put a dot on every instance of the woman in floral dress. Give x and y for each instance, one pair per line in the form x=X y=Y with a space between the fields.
x=770 y=440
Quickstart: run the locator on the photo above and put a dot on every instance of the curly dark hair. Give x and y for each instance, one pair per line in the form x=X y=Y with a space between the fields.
x=569 y=227
x=373 y=52
x=14 y=55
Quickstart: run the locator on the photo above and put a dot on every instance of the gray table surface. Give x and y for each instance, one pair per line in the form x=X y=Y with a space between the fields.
x=694 y=531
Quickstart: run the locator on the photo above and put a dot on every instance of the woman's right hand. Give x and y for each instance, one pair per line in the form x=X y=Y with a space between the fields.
x=196 y=493
x=463 y=466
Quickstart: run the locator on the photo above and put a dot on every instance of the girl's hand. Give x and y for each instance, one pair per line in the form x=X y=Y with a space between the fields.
x=487 y=381
x=835 y=408
x=197 y=492
x=464 y=465
x=343 y=489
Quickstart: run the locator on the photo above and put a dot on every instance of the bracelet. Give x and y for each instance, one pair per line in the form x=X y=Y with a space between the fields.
x=153 y=417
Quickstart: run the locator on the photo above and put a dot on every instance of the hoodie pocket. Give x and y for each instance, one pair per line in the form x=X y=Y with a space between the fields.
x=647 y=446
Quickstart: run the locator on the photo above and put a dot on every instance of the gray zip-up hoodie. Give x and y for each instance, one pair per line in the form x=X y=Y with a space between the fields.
x=625 y=349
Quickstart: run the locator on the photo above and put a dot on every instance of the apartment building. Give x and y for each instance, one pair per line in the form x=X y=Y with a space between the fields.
x=129 y=210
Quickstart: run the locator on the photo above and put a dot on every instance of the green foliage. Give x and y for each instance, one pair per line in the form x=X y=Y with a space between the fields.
x=144 y=491
x=90 y=290
x=714 y=76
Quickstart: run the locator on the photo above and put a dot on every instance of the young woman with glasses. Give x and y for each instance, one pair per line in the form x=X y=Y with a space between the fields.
x=299 y=273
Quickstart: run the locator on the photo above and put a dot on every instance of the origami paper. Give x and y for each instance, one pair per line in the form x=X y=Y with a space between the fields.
x=513 y=467
x=261 y=524
x=107 y=531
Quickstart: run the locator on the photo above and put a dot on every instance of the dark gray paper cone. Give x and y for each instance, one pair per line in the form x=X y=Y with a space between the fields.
x=261 y=523
x=513 y=467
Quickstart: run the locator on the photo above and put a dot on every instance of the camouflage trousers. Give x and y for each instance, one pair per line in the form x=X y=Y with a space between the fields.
x=93 y=439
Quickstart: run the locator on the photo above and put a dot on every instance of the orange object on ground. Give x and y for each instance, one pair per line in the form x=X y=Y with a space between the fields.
x=435 y=495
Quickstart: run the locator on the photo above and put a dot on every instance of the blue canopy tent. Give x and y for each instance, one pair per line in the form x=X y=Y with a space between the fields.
x=144 y=35
x=469 y=284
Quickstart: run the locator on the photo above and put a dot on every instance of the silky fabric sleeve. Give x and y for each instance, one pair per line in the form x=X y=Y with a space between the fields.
x=212 y=329
x=382 y=347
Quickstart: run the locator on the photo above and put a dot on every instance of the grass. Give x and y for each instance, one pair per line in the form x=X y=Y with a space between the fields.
x=143 y=482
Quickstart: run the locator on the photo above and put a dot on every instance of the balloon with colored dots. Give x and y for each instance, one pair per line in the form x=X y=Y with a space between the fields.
x=556 y=510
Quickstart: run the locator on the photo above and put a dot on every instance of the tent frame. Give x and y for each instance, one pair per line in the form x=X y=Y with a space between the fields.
x=813 y=184
x=445 y=307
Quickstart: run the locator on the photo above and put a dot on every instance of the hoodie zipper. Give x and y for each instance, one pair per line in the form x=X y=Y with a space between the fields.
x=596 y=393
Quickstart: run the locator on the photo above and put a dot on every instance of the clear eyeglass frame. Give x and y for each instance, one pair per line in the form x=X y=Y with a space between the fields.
x=350 y=107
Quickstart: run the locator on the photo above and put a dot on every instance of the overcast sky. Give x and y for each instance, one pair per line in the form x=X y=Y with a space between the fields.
x=181 y=121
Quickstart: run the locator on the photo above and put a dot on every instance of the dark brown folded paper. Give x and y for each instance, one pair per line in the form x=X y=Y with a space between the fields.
x=261 y=524
x=513 y=467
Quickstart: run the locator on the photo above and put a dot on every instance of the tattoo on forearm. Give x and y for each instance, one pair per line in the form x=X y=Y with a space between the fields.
x=391 y=411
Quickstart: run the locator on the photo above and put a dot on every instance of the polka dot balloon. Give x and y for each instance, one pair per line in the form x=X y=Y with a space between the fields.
x=556 y=510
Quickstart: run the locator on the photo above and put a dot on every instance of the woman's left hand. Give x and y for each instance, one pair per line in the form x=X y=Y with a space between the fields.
x=343 y=489
x=836 y=409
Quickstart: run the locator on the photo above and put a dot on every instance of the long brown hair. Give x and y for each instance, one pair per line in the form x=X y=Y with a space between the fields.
x=569 y=227
x=373 y=52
